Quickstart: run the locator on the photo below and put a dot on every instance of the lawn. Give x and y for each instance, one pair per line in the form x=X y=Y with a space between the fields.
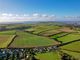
x=69 y=37
x=24 y=39
x=48 y=56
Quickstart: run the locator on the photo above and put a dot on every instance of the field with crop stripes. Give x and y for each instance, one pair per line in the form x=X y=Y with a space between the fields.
x=69 y=37
x=28 y=40
x=74 y=46
x=75 y=55
x=5 y=40
x=41 y=28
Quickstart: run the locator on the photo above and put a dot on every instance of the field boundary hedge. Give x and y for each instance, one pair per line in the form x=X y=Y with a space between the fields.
x=68 y=42
x=71 y=50
x=12 y=40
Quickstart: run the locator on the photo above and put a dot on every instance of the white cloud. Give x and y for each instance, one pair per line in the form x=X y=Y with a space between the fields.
x=16 y=15
x=72 y=17
x=7 y=17
x=25 y=15
x=4 y=14
x=44 y=15
x=10 y=14
x=35 y=15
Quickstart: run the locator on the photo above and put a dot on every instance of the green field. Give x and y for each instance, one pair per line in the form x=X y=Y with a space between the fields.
x=69 y=37
x=24 y=39
x=5 y=40
x=6 y=37
x=48 y=56
x=50 y=32
x=75 y=55
x=59 y=35
x=74 y=46
x=41 y=28
x=10 y=32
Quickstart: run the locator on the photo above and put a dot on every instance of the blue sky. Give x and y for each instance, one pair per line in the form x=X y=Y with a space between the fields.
x=50 y=7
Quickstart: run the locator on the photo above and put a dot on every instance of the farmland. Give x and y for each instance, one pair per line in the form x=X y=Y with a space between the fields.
x=73 y=46
x=69 y=37
x=76 y=55
x=49 y=56
x=41 y=28
x=28 y=40
x=5 y=40
x=12 y=32
x=59 y=35
x=49 y=33
x=43 y=41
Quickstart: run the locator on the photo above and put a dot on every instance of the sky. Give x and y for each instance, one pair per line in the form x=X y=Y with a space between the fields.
x=39 y=10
